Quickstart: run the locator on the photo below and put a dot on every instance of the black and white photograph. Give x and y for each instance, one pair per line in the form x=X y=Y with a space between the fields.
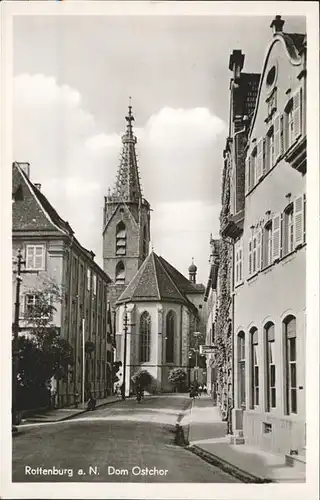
x=161 y=304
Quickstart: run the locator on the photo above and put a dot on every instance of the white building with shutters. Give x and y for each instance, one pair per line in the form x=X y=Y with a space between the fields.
x=270 y=257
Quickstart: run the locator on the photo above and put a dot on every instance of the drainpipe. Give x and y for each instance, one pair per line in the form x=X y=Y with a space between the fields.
x=181 y=336
x=230 y=423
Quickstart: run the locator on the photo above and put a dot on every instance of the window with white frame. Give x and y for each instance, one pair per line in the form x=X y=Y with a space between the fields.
x=238 y=263
x=290 y=364
x=252 y=169
x=35 y=257
x=288 y=229
x=250 y=257
x=32 y=303
x=270 y=149
x=270 y=366
x=254 y=254
x=242 y=370
x=289 y=124
x=94 y=284
x=267 y=251
x=254 y=367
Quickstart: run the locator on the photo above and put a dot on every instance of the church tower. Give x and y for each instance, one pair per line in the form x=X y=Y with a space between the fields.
x=126 y=219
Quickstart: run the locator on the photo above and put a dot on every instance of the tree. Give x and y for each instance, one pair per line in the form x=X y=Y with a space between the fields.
x=43 y=354
x=177 y=377
x=142 y=378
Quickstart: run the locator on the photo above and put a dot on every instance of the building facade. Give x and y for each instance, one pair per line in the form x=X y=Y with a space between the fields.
x=210 y=298
x=269 y=266
x=53 y=256
x=162 y=308
x=243 y=92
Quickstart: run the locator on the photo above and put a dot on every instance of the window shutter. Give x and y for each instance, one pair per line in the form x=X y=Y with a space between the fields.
x=298 y=220
x=281 y=135
x=240 y=263
x=296 y=113
x=259 y=162
x=250 y=257
x=247 y=173
x=277 y=136
x=259 y=249
x=39 y=257
x=276 y=236
x=30 y=257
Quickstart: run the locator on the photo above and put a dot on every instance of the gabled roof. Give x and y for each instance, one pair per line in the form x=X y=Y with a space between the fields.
x=39 y=214
x=157 y=280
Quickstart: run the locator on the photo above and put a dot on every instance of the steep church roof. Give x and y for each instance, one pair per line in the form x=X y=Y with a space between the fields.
x=157 y=280
x=127 y=185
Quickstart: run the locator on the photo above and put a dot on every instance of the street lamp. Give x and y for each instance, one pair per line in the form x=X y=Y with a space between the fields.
x=15 y=347
x=125 y=327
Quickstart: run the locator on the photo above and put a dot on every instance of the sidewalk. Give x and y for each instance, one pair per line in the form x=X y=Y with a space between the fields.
x=60 y=414
x=207 y=438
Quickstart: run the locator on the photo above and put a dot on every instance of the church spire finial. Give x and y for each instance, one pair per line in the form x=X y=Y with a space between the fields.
x=128 y=181
x=130 y=119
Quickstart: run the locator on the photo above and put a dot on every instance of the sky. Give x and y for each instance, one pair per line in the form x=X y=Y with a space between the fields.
x=73 y=76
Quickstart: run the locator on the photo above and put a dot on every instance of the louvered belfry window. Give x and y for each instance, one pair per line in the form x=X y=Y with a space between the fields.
x=121 y=239
x=145 y=337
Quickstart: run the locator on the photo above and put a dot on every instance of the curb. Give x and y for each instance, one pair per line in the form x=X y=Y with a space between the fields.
x=69 y=417
x=245 y=477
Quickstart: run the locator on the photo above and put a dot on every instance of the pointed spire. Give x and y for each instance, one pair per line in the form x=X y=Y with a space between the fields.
x=128 y=180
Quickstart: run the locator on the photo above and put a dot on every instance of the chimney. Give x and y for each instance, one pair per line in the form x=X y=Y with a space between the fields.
x=236 y=63
x=25 y=166
x=277 y=25
x=38 y=186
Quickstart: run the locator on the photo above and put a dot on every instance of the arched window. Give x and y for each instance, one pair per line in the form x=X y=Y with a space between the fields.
x=241 y=370
x=270 y=366
x=254 y=347
x=145 y=337
x=121 y=239
x=288 y=224
x=120 y=273
x=289 y=329
x=145 y=242
x=170 y=331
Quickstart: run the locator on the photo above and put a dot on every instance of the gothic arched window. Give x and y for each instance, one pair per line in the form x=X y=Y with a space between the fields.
x=121 y=239
x=120 y=273
x=170 y=330
x=145 y=337
x=145 y=242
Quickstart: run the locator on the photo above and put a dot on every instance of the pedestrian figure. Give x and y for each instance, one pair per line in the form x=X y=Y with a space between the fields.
x=76 y=399
x=91 y=403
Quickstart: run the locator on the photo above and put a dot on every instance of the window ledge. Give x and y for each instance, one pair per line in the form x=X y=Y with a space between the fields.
x=251 y=279
x=238 y=285
x=268 y=268
x=290 y=255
